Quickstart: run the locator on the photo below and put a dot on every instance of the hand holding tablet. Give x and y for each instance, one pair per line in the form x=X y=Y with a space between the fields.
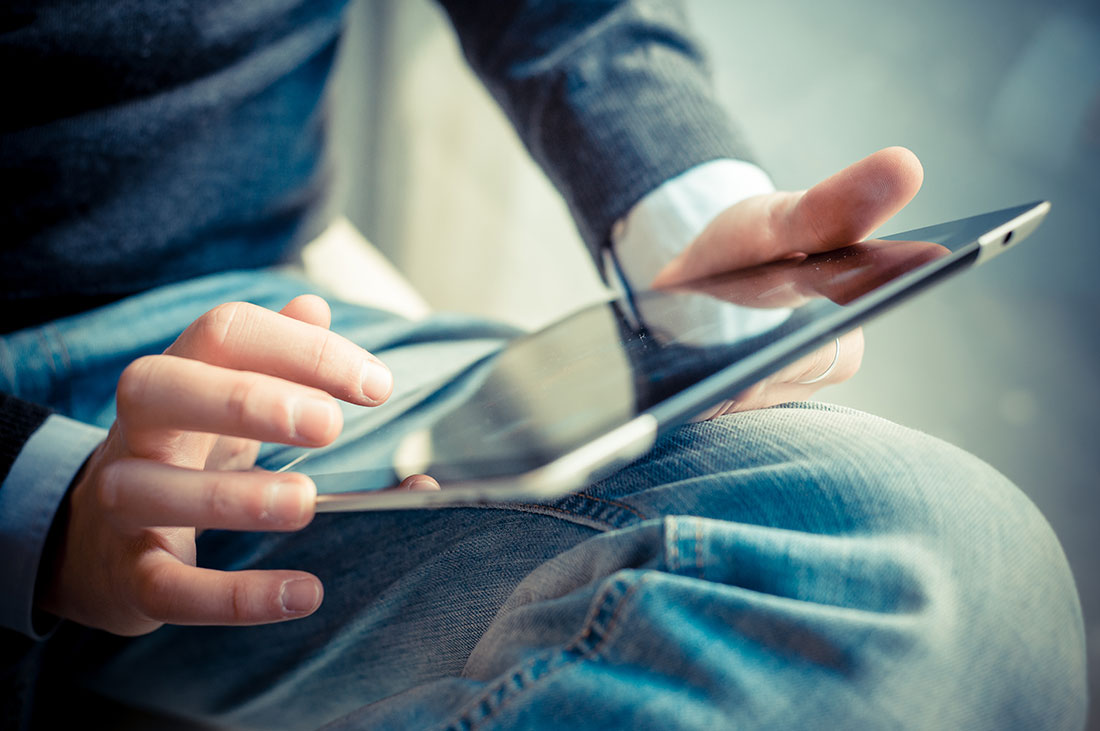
x=750 y=315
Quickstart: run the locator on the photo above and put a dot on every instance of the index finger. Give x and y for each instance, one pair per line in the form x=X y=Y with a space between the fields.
x=247 y=337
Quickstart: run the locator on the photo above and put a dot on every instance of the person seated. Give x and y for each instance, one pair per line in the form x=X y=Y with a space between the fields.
x=788 y=564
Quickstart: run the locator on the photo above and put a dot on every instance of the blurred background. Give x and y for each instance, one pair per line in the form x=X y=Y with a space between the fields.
x=1001 y=101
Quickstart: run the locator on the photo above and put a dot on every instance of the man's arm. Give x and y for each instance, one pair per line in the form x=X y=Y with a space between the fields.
x=668 y=219
x=40 y=455
x=611 y=98
x=188 y=427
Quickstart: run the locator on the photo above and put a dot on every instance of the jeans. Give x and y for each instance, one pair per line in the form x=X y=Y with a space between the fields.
x=805 y=566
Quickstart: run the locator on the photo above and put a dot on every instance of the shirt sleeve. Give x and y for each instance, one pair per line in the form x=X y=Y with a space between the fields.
x=669 y=218
x=30 y=496
x=665 y=221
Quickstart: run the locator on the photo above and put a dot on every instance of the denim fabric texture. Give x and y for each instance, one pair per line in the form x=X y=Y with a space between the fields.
x=805 y=566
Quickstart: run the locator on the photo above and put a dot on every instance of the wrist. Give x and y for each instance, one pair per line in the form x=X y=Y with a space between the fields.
x=46 y=610
x=33 y=494
x=665 y=221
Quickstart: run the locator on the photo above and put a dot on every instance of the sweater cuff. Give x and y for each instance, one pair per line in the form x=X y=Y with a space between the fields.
x=29 y=499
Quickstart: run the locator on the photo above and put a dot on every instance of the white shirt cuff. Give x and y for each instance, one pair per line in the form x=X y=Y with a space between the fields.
x=663 y=223
x=29 y=500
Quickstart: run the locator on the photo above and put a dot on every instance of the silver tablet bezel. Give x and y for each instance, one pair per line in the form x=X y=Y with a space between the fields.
x=633 y=439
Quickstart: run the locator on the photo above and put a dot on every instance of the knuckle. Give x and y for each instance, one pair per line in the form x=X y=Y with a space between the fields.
x=334 y=364
x=320 y=351
x=106 y=486
x=214 y=330
x=251 y=405
x=238 y=601
x=282 y=418
x=218 y=501
x=240 y=401
x=133 y=383
x=154 y=592
x=246 y=600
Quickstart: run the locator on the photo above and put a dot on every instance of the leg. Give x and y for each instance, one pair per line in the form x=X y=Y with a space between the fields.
x=794 y=567
x=837 y=571
x=774 y=568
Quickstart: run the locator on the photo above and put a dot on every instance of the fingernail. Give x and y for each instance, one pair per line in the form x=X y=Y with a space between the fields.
x=286 y=503
x=420 y=484
x=299 y=596
x=313 y=419
x=377 y=381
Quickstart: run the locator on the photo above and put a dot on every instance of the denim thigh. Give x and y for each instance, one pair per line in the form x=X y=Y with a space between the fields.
x=804 y=566
x=798 y=566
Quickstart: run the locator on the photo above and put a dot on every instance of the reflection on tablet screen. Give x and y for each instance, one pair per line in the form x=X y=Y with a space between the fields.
x=548 y=393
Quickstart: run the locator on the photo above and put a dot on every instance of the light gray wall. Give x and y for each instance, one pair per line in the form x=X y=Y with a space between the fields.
x=441 y=184
x=1001 y=101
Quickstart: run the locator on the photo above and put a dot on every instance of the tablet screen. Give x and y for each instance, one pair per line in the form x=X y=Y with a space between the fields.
x=548 y=393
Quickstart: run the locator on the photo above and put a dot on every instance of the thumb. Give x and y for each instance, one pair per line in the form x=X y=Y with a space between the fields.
x=847 y=206
x=838 y=211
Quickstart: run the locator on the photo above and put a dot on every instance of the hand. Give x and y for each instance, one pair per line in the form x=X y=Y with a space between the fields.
x=180 y=456
x=839 y=211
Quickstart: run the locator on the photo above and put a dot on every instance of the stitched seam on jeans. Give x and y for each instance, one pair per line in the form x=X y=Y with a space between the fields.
x=699 y=546
x=615 y=503
x=514 y=678
x=542 y=509
x=673 y=539
x=574 y=516
x=559 y=661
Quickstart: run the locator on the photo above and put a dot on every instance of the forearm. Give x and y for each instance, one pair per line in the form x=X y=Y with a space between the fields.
x=611 y=98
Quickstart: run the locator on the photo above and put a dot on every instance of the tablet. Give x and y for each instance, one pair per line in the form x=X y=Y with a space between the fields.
x=551 y=411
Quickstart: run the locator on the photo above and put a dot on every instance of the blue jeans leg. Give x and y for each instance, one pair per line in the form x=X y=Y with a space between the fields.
x=800 y=567
x=795 y=567
x=805 y=566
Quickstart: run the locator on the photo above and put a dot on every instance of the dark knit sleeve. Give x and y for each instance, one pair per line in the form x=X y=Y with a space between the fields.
x=20 y=656
x=611 y=98
x=18 y=420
